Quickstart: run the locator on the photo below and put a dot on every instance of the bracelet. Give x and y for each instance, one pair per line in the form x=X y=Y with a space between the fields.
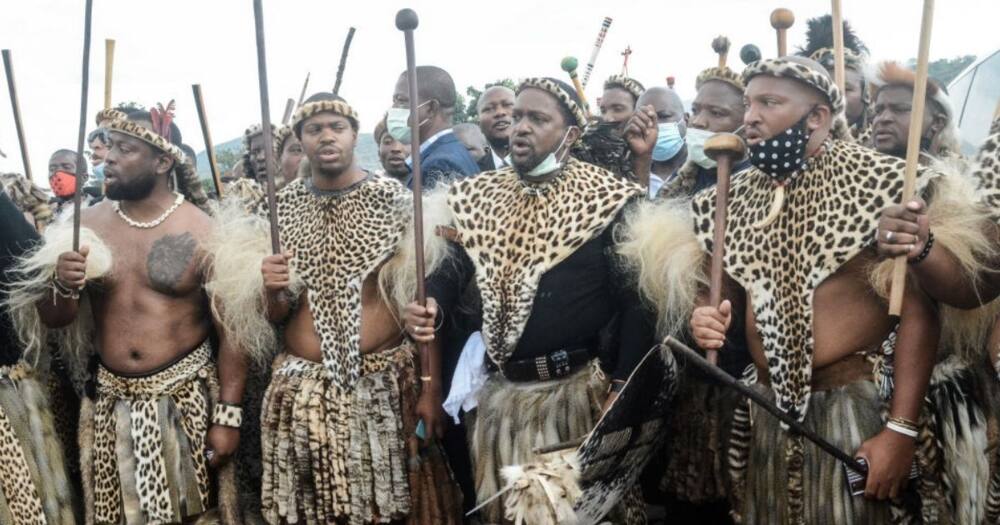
x=60 y=289
x=926 y=251
x=906 y=423
x=899 y=429
x=227 y=415
x=426 y=379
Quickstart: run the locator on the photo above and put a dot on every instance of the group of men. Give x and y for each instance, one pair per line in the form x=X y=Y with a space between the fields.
x=221 y=380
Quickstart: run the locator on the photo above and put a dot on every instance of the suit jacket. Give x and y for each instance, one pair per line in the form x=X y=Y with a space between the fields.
x=445 y=159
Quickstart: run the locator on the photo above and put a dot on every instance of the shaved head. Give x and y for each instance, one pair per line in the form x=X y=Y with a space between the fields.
x=492 y=93
x=665 y=102
x=433 y=83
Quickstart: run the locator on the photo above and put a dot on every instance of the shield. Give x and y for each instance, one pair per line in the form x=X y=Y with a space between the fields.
x=628 y=434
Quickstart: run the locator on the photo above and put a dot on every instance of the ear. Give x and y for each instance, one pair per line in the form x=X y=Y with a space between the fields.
x=819 y=116
x=164 y=163
x=572 y=135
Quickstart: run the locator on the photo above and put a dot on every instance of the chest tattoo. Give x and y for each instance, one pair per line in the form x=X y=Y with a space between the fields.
x=168 y=259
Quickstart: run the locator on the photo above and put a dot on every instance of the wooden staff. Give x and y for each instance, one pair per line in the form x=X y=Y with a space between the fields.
x=199 y=104
x=265 y=124
x=302 y=94
x=569 y=65
x=407 y=21
x=796 y=427
x=8 y=67
x=289 y=108
x=724 y=148
x=109 y=66
x=913 y=148
x=343 y=60
x=781 y=20
x=81 y=164
x=838 y=46
x=597 y=49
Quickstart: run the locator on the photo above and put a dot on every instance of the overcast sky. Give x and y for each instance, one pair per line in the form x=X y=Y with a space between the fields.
x=165 y=46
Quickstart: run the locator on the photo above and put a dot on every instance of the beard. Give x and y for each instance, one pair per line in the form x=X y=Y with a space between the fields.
x=133 y=190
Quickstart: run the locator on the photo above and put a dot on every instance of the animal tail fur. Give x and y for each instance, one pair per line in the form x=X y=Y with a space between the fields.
x=659 y=248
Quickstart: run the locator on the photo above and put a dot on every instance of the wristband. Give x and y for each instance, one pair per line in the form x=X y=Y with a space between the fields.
x=926 y=251
x=227 y=415
x=900 y=429
x=60 y=289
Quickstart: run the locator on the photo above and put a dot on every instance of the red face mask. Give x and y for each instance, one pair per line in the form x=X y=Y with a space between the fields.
x=63 y=184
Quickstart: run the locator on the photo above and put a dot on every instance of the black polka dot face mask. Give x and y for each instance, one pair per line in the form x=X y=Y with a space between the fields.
x=782 y=155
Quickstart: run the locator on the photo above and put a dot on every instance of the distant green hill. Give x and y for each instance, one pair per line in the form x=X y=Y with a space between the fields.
x=366 y=153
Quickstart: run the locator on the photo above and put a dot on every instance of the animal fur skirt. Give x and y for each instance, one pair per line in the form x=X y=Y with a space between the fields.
x=33 y=482
x=351 y=457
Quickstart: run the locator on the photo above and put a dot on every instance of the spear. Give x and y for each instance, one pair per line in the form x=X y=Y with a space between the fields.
x=81 y=165
x=8 y=67
x=265 y=123
x=343 y=61
x=199 y=104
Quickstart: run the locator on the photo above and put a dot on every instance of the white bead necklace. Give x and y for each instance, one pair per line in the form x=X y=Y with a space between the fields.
x=153 y=223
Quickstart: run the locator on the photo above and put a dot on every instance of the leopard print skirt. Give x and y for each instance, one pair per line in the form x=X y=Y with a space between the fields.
x=350 y=457
x=147 y=452
x=33 y=483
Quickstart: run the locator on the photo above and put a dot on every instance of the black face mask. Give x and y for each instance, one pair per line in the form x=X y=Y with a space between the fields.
x=782 y=155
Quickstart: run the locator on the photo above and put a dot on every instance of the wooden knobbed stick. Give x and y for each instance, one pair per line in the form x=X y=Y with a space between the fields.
x=265 y=125
x=721 y=47
x=81 y=164
x=781 y=20
x=838 y=46
x=213 y=166
x=109 y=66
x=8 y=66
x=569 y=65
x=724 y=148
x=913 y=149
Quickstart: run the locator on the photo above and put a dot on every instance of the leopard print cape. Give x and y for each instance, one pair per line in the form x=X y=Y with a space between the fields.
x=514 y=233
x=148 y=462
x=986 y=171
x=830 y=215
x=339 y=239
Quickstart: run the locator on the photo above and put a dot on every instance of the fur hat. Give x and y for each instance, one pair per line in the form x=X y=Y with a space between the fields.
x=566 y=96
x=281 y=135
x=628 y=84
x=891 y=73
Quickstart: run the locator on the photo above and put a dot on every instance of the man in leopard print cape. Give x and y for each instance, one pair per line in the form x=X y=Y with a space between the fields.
x=161 y=417
x=800 y=251
x=537 y=239
x=339 y=419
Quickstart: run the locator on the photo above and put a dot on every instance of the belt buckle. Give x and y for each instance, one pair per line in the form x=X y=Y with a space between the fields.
x=542 y=368
x=560 y=363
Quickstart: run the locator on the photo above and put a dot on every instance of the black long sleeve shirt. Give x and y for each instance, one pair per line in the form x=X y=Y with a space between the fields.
x=581 y=299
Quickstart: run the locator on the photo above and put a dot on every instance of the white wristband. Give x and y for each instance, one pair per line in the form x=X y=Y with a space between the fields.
x=900 y=429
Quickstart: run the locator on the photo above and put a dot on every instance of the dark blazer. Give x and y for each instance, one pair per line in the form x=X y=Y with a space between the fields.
x=445 y=159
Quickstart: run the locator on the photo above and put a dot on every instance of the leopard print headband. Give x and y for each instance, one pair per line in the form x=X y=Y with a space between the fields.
x=825 y=56
x=109 y=114
x=628 y=84
x=337 y=107
x=785 y=68
x=722 y=74
x=136 y=130
x=561 y=95
x=280 y=136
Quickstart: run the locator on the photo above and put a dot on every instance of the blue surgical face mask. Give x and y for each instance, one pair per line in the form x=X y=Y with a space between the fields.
x=549 y=164
x=397 y=123
x=696 y=147
x=668 y=141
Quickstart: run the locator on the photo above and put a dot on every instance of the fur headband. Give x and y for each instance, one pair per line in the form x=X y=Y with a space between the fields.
x=567 y=100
